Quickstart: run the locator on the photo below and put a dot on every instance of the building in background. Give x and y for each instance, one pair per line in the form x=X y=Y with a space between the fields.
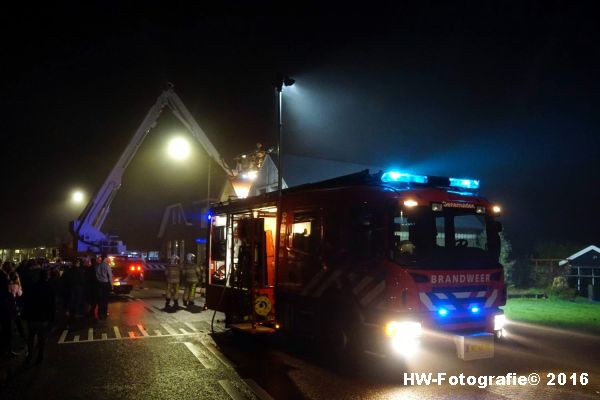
x=583 y=269
x=25 y=253
x=183 y=230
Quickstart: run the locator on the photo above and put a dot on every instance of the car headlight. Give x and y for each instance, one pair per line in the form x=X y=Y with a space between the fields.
x=116 y=283
x=499 y=322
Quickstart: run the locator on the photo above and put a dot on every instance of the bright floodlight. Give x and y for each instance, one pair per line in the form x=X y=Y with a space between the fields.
x=77 y=197
x=179 y=148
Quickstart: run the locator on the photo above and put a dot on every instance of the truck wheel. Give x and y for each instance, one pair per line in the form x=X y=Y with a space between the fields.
x=340 y=340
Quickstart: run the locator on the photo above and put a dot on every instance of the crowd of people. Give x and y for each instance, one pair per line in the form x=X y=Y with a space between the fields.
x=31 y=292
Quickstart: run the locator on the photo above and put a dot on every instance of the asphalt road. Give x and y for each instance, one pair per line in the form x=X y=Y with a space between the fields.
x=143 y=352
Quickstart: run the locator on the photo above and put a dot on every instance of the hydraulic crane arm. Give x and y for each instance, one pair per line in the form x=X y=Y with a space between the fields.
x=87 y=228
x=183 y=114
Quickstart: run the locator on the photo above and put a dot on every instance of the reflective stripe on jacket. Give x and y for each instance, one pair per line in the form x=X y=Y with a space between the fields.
x=191 y=273
x=173 y=273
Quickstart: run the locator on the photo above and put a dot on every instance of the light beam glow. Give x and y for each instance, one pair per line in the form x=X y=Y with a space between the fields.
x=178 y=148
x=77 y=197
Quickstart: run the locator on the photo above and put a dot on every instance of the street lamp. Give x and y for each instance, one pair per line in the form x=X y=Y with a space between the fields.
x=178 y=148
x=77 y=197
x=281 y=82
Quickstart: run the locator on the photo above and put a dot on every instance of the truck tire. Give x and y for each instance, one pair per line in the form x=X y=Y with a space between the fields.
x=339 y=337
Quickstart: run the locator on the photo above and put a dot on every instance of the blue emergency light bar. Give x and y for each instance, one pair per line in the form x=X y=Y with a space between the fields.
x=396 y=176
x=464 y=183
x=403 y=177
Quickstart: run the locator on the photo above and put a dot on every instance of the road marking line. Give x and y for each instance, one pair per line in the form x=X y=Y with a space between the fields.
x=91 y=334
x=190 y=326
x=198 y=354
x=257 y=390
x=141 y=328
x=231 y=390
x=136 y=336
x=169 y=329
x=184 y=331
x=220 y=356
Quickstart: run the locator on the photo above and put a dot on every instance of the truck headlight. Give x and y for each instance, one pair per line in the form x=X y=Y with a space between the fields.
x=404 y=336
x=404 y=329
x=499 y=322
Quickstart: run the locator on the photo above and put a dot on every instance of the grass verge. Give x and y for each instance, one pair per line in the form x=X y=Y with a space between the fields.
x=578 y=314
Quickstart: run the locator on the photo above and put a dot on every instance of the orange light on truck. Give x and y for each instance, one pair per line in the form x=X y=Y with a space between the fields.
x=496 y=209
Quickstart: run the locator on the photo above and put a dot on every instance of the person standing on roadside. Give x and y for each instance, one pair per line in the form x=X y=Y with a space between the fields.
x=39 y=310
x=5 y=320
x=91 y=286
x=74 y=279
x=16 y=293
x=191 y=277
x=104 y=278
x=173 y=277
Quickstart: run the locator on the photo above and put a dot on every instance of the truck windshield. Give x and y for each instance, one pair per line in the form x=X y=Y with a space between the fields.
x=448 y=239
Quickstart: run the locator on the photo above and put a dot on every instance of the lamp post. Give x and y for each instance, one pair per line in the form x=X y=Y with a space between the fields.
x=281 y=82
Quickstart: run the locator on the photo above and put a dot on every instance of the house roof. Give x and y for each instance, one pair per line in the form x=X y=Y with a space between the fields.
x=266 y=180
x=177 y=207
x=579 y=254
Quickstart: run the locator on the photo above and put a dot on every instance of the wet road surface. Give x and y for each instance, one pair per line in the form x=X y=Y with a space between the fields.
x=143 y=352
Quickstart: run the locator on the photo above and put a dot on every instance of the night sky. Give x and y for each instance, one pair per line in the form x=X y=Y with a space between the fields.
x=506 y=93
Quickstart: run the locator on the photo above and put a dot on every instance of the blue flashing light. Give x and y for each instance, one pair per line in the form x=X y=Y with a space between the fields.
x=475 y=310
x=397 y=176
x=442 y=312
x=201 y=240
x=464 y=183
x=209 y=216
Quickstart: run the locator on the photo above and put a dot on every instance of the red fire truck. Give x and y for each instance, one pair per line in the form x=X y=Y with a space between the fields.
x=366 y=261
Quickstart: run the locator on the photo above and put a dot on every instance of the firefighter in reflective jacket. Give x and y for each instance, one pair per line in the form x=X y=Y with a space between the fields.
x=173 y=277
x=191 y=277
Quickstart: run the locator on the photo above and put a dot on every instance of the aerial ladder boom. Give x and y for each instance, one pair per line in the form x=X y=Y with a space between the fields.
x=86 y=230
